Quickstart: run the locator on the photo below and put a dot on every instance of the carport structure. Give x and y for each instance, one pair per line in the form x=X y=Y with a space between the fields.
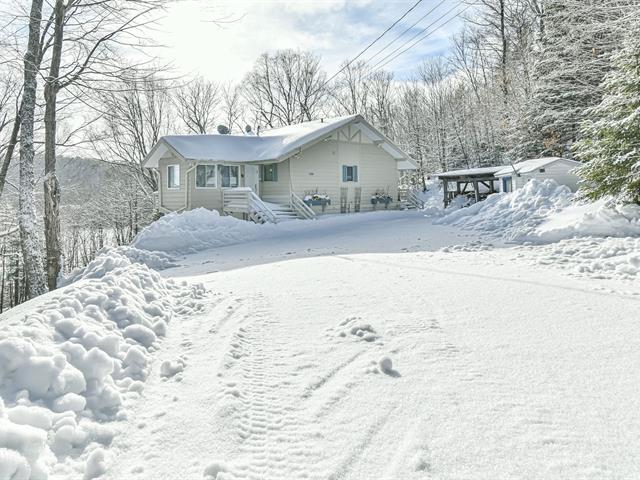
x=476 y=182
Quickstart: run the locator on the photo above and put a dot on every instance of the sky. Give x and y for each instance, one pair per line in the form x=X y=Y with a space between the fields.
x=221 y=39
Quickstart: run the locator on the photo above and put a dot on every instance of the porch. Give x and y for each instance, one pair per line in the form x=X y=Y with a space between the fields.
x=245 y=202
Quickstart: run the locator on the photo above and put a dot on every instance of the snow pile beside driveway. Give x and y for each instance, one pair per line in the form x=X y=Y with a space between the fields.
x=109 y=258
x=71 y=365
x=596 y=257
x=196 y=230
x=513 y=216
x=545 y=212
x=598 y=219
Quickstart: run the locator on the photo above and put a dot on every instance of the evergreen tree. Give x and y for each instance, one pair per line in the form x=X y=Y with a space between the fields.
x=611 y=137
x=572 y=61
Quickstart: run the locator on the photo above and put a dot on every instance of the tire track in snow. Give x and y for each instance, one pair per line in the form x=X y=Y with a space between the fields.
x=277 y=440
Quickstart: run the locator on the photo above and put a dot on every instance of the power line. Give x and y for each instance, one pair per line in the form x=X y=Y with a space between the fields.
x=374 y=42
x=420 y=39
x=405 y=31
x=382 y=62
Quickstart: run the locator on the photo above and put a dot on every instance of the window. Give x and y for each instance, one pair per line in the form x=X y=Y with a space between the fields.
x=206 y=176
x=229 y=176
x=270 y=173
x=542 y=170
x=349 y=173
x=173 y=176
x=507 y=184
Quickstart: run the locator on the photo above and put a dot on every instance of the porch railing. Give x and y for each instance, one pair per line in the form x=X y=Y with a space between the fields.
x=244 y=200
x=411 y=197
x=300 y=208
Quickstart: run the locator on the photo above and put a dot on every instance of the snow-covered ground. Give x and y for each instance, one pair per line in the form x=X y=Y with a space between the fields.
x=383 y=345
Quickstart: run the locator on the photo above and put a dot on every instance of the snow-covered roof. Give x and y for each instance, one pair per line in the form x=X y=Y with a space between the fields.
x=270 y=146
x=470 y=172
x=534 y=164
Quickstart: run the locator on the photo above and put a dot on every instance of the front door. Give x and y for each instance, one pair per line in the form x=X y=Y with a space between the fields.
x=252 y=178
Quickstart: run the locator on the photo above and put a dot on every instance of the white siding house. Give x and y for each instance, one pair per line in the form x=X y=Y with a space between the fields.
x=514 y=177
x=328 y=166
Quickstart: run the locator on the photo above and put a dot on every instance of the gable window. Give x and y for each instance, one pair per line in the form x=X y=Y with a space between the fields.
x=229 y=176
x=349 y=173
x=173 y=176
x=270 y=173
x=206 y=176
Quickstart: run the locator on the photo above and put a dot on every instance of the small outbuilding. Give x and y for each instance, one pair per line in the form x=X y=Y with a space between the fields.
x=514 y=177
x=476 y=183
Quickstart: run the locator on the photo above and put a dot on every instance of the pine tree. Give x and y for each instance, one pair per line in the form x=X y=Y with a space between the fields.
x=611 y=137
x=573 y=59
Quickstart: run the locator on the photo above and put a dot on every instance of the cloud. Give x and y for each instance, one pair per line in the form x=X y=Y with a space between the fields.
x=221 y=39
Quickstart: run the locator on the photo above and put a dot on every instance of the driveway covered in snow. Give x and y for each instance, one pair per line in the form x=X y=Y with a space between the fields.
x=501 y=367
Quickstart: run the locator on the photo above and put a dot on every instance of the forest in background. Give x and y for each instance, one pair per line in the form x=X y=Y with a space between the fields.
x=524 y=79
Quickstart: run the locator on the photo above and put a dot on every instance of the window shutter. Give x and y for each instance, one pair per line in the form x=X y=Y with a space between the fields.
x=275 y=172
x=344 y=173
x=355 y=173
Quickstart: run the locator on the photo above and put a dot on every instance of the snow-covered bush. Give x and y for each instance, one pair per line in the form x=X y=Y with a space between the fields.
x=196 y=230
x=74 y=362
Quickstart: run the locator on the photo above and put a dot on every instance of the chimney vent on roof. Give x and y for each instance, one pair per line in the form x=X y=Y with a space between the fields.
x=258 y=131
x=322 y=120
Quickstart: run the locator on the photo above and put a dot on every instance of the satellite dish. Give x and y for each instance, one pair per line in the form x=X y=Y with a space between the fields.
x=223 y=130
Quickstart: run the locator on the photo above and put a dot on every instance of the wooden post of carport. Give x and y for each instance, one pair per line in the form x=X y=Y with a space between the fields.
x=476 y=190
x=445 y=186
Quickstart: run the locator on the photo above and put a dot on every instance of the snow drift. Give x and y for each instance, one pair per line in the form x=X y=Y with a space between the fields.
x=545 y=212
x=71 y=365
x=196 y=230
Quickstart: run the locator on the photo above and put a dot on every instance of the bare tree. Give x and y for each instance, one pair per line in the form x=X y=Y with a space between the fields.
x=285 y=88
x=232 y=106
x=350 y=90
x=196 y=104
x=136 y=113
x=30 y=242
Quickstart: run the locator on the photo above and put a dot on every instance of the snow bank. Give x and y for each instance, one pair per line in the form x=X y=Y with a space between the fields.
x=545 y=212
x=110 y=258
x=598 y=219
x=599 y=257
x=196 y=230
x=72 y=364
x=513 y=215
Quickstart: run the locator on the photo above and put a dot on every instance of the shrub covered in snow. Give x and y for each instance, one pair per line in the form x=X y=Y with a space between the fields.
x=196 y=230
x=74 y=361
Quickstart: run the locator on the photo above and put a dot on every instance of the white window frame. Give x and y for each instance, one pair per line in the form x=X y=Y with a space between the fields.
x=215 y=170
x=219 y=174
x=177 y=167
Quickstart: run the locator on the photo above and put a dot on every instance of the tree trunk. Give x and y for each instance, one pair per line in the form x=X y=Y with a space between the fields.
x=51 y=184
x=31 y=248
x=13 y=140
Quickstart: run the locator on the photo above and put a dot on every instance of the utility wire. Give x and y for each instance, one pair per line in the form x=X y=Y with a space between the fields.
x=384 y=61
x=405 y=31
x=374 y=42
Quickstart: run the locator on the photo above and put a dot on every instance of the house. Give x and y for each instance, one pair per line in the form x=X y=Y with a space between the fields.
x=336 y=165
x=513 y=177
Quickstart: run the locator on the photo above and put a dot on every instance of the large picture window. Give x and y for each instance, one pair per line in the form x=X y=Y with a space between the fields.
x=206 y=176
x=229 y=176
x=173 y=176
x=270 y=173
x=349 y=173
